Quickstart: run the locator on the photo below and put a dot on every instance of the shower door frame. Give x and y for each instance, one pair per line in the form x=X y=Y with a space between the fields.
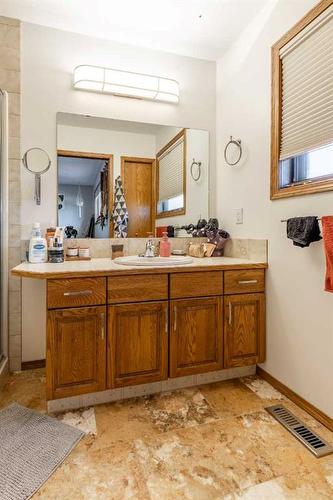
x=4 y=230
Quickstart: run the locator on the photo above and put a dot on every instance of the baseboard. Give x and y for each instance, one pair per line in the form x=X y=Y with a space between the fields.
x=33 y=365
x=298 y=400
x=134 y=391
x=3 y=371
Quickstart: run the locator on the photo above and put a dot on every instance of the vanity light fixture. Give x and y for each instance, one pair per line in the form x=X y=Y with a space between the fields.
x=125 y=83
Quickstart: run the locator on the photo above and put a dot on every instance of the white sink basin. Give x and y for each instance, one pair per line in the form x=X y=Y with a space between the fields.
x=174 y=260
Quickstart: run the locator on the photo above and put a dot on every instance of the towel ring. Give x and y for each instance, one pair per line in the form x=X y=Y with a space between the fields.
x=198 y=164
x=238 y=144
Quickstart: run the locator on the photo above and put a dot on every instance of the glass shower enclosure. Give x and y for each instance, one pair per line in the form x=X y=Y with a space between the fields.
x=3 y=226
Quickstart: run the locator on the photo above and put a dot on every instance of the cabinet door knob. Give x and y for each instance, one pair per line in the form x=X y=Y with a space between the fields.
x=230 y=314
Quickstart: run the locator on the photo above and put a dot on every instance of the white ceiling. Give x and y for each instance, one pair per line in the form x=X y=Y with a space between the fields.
x=197 y=28
x=77 y=171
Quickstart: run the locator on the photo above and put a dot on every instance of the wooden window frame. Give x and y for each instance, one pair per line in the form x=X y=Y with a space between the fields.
x=179 y=211
x=308 y=187
x=93 y=156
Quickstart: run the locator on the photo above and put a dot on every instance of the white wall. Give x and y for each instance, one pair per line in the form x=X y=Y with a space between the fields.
x=98 y=140
x=48 y=59
x=47 y=62
x=69 y=214
x=299 y=312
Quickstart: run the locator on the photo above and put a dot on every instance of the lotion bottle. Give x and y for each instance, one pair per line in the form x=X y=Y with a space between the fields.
x=165 y=246
x=37 y=246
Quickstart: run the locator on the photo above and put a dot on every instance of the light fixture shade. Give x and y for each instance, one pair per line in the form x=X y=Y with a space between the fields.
x=126 y=83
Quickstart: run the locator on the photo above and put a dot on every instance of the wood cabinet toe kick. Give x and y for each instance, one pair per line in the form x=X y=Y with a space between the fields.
x=107 y=332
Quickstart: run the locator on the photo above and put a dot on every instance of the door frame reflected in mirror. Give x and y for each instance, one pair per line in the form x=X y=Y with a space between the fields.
x=92 y=156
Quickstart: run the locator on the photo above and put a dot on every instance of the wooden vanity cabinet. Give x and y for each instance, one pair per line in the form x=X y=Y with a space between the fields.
x=116 y=331
x=137 y=350
x=244 y=329
x=196 y=336
x=76 y=350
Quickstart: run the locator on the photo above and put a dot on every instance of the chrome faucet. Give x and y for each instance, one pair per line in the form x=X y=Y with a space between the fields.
x=150 y=248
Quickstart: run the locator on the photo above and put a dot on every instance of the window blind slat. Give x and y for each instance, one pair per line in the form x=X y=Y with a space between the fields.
x=170 y=171
x=301 y=118
x=293 y=81
x=303 y=95
x=306 y=133
x=307 y=90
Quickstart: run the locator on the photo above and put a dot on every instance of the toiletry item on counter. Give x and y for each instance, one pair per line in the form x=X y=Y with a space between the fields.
x=117 y=251
x=77 y=253
x=50 y=233
x=84 y=252
x=178 y=252
x=201 y=250
x=56 y=251
x=37 y=246
x=165 y=246
x=72 y=252
x=196 y=250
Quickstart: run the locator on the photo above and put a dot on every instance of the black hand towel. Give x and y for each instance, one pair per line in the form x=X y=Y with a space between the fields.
x=303 y=230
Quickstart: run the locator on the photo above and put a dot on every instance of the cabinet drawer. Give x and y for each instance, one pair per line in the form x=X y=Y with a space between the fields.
x=250 y=280
x=197 y=284
x=135 y=288
x=76 y=292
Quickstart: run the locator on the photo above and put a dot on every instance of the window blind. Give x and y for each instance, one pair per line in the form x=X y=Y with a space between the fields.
x=171 y=171
x=307 y=88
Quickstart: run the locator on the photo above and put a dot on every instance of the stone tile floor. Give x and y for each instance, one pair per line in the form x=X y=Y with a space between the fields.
x=210 y=442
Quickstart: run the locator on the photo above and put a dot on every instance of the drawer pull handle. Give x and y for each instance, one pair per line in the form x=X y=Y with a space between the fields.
x=166 y=322
x=247 y=282
x=81 y=293
x=175 y=320
x=230 y=314
x=103 y=326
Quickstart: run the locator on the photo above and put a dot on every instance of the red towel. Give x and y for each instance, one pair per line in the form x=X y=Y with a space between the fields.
x=327 y=223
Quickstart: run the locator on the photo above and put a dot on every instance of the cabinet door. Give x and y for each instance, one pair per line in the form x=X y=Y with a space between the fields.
x=137 y=343
x=196 y=336
x=244 y=330
x=76 y=351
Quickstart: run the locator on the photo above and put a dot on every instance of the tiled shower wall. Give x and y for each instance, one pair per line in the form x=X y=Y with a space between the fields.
x=10 y=81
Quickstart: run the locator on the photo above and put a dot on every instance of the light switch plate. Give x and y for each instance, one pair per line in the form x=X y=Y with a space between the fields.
x=239 y=215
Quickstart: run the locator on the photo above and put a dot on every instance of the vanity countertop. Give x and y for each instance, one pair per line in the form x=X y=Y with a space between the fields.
x=107 y=267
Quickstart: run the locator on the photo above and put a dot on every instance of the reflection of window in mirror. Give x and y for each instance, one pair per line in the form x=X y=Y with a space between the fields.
x=171 y=177
x=302 y=107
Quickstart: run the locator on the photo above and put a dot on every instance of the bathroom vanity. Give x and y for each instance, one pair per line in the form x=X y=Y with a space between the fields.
x=111 y=326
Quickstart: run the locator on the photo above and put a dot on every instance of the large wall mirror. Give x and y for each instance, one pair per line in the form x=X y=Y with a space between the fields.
x=129 y=179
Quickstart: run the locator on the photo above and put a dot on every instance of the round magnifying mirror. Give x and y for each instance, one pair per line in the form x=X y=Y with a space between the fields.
x=36 y=160
x=233 y=152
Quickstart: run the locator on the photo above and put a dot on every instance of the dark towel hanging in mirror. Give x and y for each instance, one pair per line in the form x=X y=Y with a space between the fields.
x=303 y=230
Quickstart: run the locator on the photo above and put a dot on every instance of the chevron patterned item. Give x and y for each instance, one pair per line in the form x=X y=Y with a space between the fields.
x=120 y=212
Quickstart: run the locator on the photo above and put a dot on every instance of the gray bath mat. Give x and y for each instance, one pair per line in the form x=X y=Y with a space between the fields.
x=32 y=446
